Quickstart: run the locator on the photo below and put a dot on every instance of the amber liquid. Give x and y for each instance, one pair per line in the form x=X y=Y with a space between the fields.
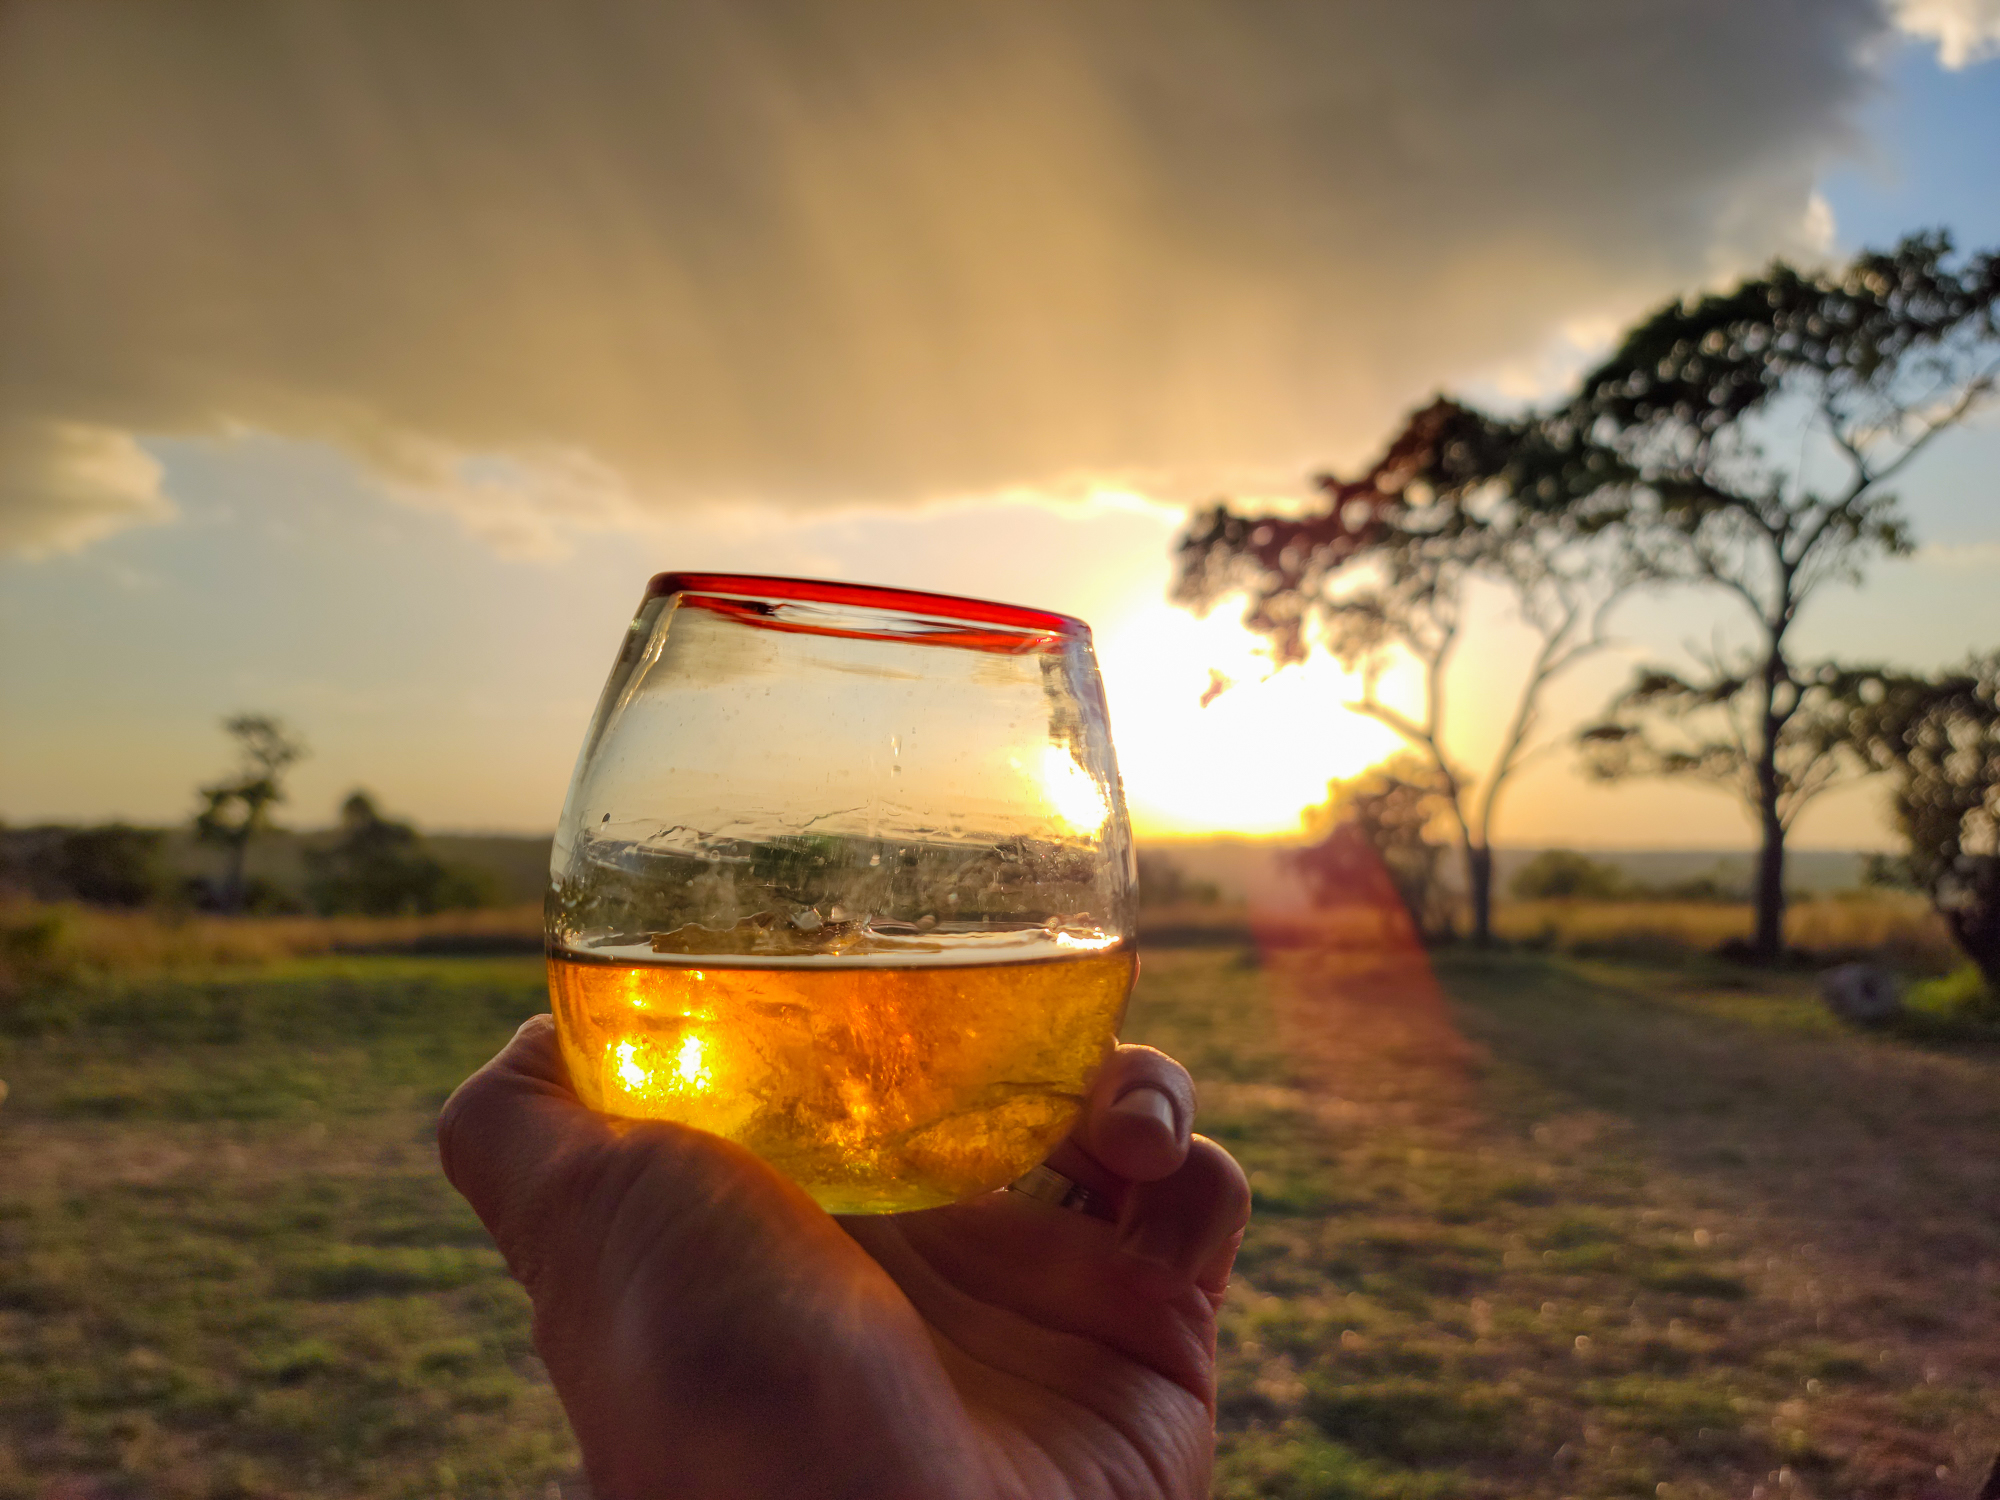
x=877 y=1088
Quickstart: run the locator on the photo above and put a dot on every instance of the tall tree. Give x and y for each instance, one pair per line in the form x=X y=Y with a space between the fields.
x=238 y=807
x=1873 y=360
x=1382 y=571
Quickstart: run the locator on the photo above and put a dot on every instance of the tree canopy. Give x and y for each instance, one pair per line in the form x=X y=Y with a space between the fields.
x=1384 y=565
x=1658 y=470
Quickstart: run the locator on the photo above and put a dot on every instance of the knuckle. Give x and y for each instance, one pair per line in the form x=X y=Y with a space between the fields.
x=1138 y=1065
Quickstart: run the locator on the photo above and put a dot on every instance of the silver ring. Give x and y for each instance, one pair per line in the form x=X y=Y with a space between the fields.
x=1046 y=1185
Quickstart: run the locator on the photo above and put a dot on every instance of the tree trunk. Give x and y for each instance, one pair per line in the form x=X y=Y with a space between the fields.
x=1974 y=914
x=1770 y=941
x=1479 y=888
x=232 y=882
x=1771 y=891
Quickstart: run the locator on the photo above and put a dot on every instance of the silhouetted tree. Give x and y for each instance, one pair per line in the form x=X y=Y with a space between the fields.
x=1940 y=741
x=239 y=807
x=1877 y=357
x=1384 y=568
x=380 y=867
x=1374 y=846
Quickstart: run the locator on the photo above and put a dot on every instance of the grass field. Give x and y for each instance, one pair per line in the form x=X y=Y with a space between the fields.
x=1886 y=926
x=42 y=943
x=1533 y=1225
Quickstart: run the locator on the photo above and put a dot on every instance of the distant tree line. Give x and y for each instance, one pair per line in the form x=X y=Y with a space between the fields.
x=1566 y=875
x=1163 y=883
x=379 y=867
x=1655 y=473
x=371 y=864
x=113 y=865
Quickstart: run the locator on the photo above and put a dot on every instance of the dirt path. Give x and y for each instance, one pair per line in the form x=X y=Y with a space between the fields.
x=1866 y=1170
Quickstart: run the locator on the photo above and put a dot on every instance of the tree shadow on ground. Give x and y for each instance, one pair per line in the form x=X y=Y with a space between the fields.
x=1866 y=1169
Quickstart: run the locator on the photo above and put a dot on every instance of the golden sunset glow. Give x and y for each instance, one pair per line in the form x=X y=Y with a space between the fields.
x=633 y=1076
x=838 y=323
x=1252 y=760
x=690 y=1067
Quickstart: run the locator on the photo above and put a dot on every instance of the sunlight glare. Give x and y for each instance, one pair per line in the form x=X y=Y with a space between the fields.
x=1077 y=798
x=630 y=1073
x=691 y=1067
x=1251 y=761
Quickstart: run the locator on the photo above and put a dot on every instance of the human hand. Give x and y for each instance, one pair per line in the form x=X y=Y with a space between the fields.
x=713 y=1332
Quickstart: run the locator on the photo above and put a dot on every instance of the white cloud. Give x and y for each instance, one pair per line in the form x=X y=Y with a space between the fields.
x=1819 y=228
x=558 y=267
x=63 y=485
x=1554 y=367
x=524 y=505
x=1966 y=31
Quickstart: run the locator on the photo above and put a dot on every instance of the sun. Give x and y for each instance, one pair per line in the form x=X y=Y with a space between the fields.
x=1252 y=760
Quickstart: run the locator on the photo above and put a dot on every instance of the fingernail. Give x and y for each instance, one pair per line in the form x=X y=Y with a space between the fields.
x=1147 y=1103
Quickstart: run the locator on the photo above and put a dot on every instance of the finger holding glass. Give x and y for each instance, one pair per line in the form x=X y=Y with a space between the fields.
x=711 y=1332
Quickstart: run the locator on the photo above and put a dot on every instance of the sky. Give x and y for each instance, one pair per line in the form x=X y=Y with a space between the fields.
x=358 y=364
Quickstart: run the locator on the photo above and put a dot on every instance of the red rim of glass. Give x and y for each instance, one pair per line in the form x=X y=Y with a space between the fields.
x=869 y=596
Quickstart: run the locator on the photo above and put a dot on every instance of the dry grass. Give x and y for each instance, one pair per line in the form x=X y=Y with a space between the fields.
x=1895 y=928
x=41 y=942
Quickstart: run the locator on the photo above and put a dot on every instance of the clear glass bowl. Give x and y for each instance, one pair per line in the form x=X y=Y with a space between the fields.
x=844 y=875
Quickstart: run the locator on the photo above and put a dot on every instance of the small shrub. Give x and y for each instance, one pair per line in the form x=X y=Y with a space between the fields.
x=1563 y=874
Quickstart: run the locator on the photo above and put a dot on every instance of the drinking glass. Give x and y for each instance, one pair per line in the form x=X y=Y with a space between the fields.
x=844 y=875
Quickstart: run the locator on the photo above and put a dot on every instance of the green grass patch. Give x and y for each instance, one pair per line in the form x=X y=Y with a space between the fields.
x=228 y=1265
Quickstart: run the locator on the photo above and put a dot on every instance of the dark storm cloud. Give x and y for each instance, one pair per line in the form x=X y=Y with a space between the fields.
x=540 y=262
